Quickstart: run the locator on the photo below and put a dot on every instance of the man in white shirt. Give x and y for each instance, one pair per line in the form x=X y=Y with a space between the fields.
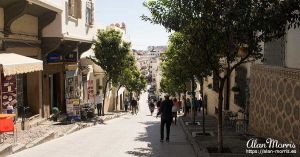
x=98 y=102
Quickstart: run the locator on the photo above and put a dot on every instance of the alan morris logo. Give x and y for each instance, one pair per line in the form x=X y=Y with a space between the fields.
x=269 y=143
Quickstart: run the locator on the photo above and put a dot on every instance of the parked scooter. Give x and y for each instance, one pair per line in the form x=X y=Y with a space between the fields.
x=87 y=112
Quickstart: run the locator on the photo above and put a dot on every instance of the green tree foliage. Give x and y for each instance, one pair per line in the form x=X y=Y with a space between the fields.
x=227 y=33
x=175 y=66
x=110 y=54
x=130 y=77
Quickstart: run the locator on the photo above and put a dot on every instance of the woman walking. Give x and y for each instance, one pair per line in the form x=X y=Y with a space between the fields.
x=175 y=108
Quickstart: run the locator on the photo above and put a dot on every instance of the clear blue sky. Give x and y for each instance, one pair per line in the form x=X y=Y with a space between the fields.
x=141 y=33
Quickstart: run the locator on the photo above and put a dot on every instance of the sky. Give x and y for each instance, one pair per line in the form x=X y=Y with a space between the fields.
x=141 y=33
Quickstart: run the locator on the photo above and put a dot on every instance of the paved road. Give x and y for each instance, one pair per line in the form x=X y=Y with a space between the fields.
x=129 y=136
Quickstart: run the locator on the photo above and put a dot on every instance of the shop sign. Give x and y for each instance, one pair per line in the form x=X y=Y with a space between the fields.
x=54 y=58
x=71 y=57
x=90 y=89
x=8 y=91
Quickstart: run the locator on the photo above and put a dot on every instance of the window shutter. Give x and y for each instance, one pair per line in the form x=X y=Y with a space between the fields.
x=70 y=6
x=78 y=9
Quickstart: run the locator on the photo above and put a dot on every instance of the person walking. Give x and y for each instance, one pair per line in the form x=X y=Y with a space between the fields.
x=126 y=104
x=158 y=103
x=174 y=110
x=151 y=107
x=98 y=102
x=188 y=106
x=165 y=111
x=134 y=106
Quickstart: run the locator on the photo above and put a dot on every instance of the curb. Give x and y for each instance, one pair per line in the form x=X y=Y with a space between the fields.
x=47 y=137
x=113 y=117
x=73 y=129
x=195 y=145
x=5 y=150
x=18 y=148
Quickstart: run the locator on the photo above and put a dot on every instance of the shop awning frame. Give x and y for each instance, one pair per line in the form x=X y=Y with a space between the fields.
x=12 y=64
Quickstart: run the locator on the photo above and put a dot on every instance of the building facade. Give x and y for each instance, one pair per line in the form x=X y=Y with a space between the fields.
x=21 y=32
x=64 y=40
x=274 y=109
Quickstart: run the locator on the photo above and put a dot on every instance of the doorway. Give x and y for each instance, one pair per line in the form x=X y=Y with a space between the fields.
x=54 y=90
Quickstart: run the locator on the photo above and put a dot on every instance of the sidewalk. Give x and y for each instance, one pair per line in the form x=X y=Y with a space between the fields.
x=45 y=130
x=205 y=146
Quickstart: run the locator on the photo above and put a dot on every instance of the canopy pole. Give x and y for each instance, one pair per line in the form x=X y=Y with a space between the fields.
x=0 y=91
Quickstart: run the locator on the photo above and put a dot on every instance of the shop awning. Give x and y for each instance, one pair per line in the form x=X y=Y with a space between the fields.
x=88 y=53
x=12 y=64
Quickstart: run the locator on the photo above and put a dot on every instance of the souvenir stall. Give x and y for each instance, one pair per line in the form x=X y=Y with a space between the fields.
x=11 y=65
x=72 y=92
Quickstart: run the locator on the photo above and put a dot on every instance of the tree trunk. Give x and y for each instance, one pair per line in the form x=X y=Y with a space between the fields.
x=220 y=119
x=184 y=99
x=104 y=97
x=227 y=93
x=193 y=102
x=118 y=98
x=203 y=115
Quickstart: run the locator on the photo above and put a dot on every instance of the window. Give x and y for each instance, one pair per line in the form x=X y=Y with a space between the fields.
x=89 y=18
x=74 y=8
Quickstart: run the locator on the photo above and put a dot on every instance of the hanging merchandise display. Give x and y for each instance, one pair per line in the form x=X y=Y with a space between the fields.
x=72 y=95
x=8 y=92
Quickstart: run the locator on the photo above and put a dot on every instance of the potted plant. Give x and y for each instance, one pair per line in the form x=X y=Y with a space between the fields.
x=235 y=89
x=55 y=113
x=209 y=86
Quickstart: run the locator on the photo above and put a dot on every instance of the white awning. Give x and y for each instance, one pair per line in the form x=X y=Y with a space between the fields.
x=13 y=64
x=88 y=53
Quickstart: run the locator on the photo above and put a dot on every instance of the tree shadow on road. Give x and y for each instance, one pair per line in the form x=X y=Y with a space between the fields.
x=152 y=137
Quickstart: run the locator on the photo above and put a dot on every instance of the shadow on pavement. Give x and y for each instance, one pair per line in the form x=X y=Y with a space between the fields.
x=151 y=136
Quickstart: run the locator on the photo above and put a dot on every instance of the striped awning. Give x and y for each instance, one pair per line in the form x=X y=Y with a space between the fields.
x=12 y=64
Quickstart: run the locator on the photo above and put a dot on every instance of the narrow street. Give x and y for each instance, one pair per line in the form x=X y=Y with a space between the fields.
x=130 y=135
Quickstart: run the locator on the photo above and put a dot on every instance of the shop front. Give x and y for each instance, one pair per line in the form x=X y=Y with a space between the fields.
x=13 y=68
x=62 y=79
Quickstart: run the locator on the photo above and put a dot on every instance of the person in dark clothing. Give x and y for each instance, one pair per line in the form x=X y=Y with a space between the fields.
x=134 y=106
x=158 y=103
x=151 y=107
x=165 y=111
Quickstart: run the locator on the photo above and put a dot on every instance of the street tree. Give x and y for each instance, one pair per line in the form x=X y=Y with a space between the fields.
x=227 y=33
x=136 y=82
x=182 y=65
x=124 y=74
x=110 y=54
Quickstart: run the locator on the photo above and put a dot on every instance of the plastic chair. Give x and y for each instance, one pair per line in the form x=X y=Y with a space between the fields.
x=7 y=125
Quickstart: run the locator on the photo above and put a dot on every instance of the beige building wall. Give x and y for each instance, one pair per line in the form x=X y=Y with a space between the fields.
x=96 y=73
x=1 y=19
x=293 y=48
x=26 y=24
x=70 y=27
x=275 y=103
x=212 y=96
